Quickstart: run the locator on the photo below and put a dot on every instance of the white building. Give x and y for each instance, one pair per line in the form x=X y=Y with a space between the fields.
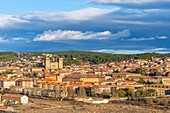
x=16 y=98
x=7 y=83
x=24 y=100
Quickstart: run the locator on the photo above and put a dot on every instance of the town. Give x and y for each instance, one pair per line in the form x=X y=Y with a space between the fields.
x=46 y=76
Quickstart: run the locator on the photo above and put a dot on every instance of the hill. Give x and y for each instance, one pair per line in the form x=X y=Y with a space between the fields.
x=8 y=56
x=77 y=57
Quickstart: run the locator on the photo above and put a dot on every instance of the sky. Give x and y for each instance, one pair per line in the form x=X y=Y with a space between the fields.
x=108 y=26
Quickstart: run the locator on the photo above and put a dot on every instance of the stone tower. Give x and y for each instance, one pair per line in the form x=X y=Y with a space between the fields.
x=60 y=63
x=51 y=62
x=47 y=62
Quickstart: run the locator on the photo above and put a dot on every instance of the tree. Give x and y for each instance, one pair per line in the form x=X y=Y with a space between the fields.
x=122 y=93
x=106 y=94
x=141 y=71
x=82 y=92
x=154 y=72
x=130 y=92
x=164 y=101
x=149 y=101
x=71 y=92
x=94 y=91
x=161 y=82
x=12 y=89
x=141 y=80
x=139 y=93
x=151 y=92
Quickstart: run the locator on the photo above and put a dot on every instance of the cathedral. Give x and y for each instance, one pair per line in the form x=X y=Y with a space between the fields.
x=51 y=62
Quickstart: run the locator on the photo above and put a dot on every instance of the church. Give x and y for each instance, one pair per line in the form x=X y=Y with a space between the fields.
x=52 y=63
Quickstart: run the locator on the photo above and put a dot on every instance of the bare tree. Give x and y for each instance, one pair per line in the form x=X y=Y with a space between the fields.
x=82 y=92
x=164 y=101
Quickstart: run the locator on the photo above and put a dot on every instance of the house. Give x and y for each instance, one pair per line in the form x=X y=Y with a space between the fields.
x=99 y=89
x=24 y=99
x=91 y=78
x=72 y=78
x=166 y=80
x=144 y=78
x=37 y=69
x=6 y=83
x=16 y=98
x=24 y=83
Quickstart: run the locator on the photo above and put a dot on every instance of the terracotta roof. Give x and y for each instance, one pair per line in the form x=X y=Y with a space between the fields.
x=12 y=95
x=103 y=86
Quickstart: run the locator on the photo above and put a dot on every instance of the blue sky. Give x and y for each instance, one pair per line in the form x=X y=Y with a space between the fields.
x=18 y=6
x=111 y=26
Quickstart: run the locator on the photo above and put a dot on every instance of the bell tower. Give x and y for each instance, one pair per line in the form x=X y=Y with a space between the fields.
x=47 y=62
x=60 y=63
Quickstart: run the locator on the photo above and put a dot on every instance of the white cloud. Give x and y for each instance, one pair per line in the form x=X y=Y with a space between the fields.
x=10 y=20
x=134 y=22
x=7 y=21
x=18 y=39
x=161 y=37
x=121 y=34
x=3 y=40
x=150 y=38
x=126 y=1
x=77 y=15
x=142 y=39
x=98 y=16
x=78 y=35
x=159 y=49
x=120 y=51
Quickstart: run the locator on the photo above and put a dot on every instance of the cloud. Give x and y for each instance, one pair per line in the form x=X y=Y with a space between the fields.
x=93 y=30
x=43 y=18
x=121 y=34
x=159 y=49
x=89 y=18
x=134 y=3
x=135 y=22
x=127 y=1
x=150 y=38
x=120 y=51
x=142 y=39
x=78 y=35
x=77 y=15
x=18 y=39
x=3 y=40
x=10 y=20
x=161 y=37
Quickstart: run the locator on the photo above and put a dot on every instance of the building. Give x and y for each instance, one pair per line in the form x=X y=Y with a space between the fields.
x=24 y=99
x=83 y=78
x=37 y=69
x=15 y=98
x=98 y=89
x=72 y=78
x=53 y=63
x=91 y=78
x=161 y=90
x=24 y=83
x=7 y=83
x=166 y=80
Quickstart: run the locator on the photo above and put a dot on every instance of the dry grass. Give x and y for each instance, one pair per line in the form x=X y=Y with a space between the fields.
x=52 y=106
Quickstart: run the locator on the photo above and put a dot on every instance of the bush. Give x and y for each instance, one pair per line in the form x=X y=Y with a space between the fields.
x=149 y=101
x=122 y=93
x=164 y=101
